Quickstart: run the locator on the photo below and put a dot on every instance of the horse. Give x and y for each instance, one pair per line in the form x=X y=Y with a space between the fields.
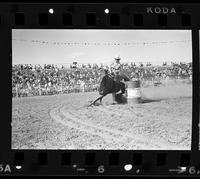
x=110 y=86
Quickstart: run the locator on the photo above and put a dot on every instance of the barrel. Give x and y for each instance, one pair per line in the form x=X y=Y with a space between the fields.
x=133 y=92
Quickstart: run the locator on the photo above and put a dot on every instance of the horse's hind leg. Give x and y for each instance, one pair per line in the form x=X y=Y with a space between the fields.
x=114 y=98
x=123 y=88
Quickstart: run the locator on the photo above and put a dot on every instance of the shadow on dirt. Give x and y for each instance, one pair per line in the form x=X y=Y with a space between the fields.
x=121 y=100
x=150 y=100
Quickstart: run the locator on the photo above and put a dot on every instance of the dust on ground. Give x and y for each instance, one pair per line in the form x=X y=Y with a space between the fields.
x=162 y=122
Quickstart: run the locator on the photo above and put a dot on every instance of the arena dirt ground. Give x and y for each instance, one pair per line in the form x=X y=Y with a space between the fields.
x=162 y=122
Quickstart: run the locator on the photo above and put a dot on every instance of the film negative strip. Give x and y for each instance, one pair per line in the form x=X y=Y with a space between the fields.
x=100 y=89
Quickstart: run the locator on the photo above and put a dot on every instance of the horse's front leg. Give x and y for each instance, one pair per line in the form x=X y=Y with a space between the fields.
x=100 y=100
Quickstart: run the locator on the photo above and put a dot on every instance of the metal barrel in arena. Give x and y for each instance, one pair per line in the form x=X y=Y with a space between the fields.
x=133 y=92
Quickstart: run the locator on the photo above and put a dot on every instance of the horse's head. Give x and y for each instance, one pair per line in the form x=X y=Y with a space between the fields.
x=104 y=72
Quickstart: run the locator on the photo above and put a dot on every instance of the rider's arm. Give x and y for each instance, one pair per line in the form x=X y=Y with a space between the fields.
x=125 y=78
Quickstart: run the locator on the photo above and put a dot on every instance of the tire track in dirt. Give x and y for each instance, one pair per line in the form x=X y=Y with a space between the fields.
x=64 y=117
x=155 y=118
x=110 y=136
x=133 y=114
x=57 y=115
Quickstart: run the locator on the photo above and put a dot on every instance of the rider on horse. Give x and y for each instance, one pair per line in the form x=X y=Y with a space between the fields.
x=112 y=83
x=118 y=75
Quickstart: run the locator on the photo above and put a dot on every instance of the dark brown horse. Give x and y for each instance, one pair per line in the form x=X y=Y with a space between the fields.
x=110 y=86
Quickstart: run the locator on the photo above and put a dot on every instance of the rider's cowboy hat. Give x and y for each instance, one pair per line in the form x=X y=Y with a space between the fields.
x=117 y=57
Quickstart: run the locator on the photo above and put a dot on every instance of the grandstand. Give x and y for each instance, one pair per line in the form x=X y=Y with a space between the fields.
x=49 y=79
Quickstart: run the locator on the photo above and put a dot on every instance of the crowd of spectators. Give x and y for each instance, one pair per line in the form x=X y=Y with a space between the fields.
x=32 y=80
